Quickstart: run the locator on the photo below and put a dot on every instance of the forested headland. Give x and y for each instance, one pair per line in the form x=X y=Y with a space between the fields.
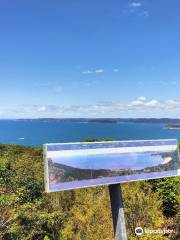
x=26 y=212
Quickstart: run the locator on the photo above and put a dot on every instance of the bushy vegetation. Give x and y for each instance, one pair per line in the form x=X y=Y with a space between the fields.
x=26 y=212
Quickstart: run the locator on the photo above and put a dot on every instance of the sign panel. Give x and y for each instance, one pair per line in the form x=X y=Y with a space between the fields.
x=79 y=165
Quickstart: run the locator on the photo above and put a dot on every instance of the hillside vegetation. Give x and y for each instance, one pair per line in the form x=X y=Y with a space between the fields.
x=26 y=212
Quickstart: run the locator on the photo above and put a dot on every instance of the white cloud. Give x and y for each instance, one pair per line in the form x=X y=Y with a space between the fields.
x=99 y=70
x=87 y=72
x=42 y=109
x=172 y=104
x=141 y=105
x=152 y=103
x=93 y=71
x=141 y=98
x=135 y=4
x=137 y=8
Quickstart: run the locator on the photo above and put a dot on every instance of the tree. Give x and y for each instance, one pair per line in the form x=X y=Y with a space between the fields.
x=169 y=191
x=142 y=208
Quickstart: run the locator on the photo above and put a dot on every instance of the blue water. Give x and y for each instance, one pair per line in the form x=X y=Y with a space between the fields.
x=36 y=133
x=133 y=161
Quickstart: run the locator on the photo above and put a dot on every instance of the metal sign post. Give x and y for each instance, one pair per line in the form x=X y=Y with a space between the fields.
x=117 y=212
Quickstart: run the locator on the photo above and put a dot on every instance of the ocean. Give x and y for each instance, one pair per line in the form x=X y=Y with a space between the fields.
x=38 y=132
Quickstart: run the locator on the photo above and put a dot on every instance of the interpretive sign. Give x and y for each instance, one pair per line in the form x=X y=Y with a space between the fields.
x=79 y=165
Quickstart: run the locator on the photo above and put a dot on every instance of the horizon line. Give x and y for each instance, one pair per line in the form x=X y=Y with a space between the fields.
x=96 y=118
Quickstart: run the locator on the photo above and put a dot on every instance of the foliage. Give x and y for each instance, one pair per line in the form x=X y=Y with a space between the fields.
x=177 y=227
x=27 y=213
x=142 y=209
x=169 y=191
x=96 y=140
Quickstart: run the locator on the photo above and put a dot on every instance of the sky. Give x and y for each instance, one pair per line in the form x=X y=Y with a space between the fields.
x=76 y=58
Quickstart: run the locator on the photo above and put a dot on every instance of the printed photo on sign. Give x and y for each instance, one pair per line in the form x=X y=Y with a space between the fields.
x=79 y=165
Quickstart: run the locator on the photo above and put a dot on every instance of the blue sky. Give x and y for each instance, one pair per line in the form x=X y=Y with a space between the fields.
x=79 y=58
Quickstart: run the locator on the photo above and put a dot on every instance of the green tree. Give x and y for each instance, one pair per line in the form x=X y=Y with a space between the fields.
x=169 y=191
x=142 y=208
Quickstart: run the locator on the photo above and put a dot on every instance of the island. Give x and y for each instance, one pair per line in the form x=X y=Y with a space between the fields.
x=173 y=126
